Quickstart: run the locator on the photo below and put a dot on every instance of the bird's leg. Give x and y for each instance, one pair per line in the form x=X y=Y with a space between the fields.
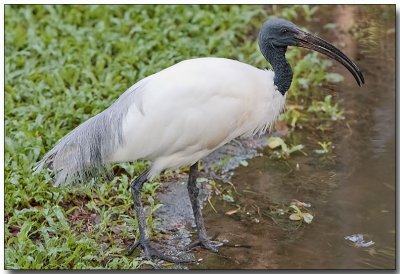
x=193 y=191
x=136 y=187
x=144 y=240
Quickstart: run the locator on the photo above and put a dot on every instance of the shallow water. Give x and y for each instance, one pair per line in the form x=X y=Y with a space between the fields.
x=350 y=194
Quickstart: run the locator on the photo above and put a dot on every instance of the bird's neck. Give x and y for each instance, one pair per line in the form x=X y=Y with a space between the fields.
x=283 y=72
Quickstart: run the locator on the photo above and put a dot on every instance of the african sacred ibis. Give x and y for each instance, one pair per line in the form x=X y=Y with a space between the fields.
x=179 y=115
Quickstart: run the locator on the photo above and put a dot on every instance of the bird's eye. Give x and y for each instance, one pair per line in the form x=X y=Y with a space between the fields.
x=284 y=30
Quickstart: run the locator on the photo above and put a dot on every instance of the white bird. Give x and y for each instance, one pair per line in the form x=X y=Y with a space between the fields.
x=181 y=114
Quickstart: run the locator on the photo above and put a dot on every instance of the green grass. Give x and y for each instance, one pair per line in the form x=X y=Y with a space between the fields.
x=65 y=64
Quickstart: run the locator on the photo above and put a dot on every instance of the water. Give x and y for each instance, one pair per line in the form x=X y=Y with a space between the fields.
x=353 y=193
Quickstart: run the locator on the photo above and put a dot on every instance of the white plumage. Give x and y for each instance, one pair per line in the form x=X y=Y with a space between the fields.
x=173 y=118
x=176 y=121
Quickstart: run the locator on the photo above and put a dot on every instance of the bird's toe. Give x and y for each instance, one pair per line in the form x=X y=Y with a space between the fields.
x=205 y=243
x=150 y=252
x=211 y=245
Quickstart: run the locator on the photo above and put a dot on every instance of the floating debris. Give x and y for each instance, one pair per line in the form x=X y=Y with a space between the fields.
x=232 y=211
x=298 y=203
x=358 y=240
x=299 y=215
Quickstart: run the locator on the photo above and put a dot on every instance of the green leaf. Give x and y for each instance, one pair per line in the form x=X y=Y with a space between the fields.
x=274 y=142
x=295 y=217
x=60 y=216
x=244 y=163
x=201 y=180
x=330 y=26
x=334 y=77
x=295 y=208
x=295 y=148
x=228 y=198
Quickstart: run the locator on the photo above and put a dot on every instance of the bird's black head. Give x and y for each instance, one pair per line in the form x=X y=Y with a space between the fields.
x=277 y=34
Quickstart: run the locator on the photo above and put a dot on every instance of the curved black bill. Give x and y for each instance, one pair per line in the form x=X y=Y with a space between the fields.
x=310 y=41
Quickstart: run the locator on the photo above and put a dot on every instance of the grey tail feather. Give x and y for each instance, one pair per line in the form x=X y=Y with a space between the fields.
x=84 y=152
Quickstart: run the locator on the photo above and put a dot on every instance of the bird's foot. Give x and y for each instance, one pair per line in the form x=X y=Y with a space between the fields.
x=206 y=243
x=211 y=245
x=151 y=252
